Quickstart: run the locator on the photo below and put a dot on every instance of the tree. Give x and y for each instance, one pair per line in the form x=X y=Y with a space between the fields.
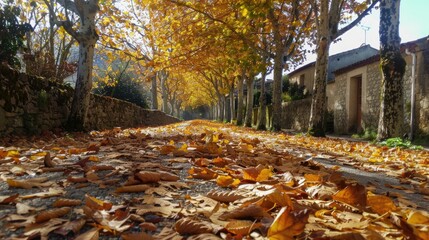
x=392 y=66
x=87 y=37
x=328 y=16
x=11 y=34
x=48 y=47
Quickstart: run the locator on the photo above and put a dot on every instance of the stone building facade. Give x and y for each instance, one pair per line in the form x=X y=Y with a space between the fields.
x=354 y=93
x=30 y=105
x=357 y=103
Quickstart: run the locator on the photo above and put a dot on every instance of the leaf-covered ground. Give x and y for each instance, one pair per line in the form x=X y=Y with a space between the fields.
x=203 y=180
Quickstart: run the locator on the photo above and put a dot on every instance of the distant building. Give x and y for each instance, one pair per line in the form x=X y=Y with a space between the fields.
x=354 y=85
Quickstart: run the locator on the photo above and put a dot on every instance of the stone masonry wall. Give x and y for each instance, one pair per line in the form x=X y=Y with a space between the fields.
x=30 y=105
x=296 y=114
x=373 y=88
x=340 y=110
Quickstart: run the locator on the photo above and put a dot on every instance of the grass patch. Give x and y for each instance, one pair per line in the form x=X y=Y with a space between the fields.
x=401 y=143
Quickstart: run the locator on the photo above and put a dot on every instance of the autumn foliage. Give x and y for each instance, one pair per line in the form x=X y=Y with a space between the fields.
x=201 y=180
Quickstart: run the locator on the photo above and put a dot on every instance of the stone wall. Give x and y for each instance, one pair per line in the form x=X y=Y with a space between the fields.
x=371 y=114
x=30 y=105
x=296 y=114
x=340 y=109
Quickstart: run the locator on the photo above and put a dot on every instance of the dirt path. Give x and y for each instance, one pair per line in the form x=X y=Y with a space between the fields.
x=205 y=180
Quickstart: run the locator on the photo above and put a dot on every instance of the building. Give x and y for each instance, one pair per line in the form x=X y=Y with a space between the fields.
x=354 y=84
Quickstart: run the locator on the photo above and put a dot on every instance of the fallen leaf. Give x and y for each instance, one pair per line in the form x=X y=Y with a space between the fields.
x=132 y=188
x=53 y=213
x=8 y=199
x=137 y=236
x=64 y=202
x=257 y=174
x=71 y=226
x=96 y=204
x=47 y=160
x=22 y=208
x=381 y=204
x=250 y=211
x=225 y=197
x=92 y=234
x=288 y=224
x=354 y=194
x=190 y=226
x=148 y=177
x=242 y=227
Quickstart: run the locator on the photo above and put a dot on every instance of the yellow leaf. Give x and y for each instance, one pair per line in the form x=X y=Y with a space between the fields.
x=381 y=204
x=287 y=224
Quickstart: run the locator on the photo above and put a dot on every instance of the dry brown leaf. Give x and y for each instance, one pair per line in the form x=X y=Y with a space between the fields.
x=190 y=226
x=227 y=181
x=204 y=236
x=354 y=194
x=202 y=173
x=225 y=197
x=71 y=226
x=92 y=234
x=166 y=149
x=65 y=202
x=52 y=192
x=96 y=204
x=8 y=199
x=257 y=174
x=76 y=179
x=47 y=160
x=250 y=211
x=22 y=208
x=53 y=213
x=148 y=177
x=381 y=204
x=27 y=184
x=280 y=198
x=148 y=226
x=242 y=227
x=42 y=229
x=132 y=188
x=288 y=224
x=168 y=234
x=166 y=176
x=136 y=236
x=321 y=191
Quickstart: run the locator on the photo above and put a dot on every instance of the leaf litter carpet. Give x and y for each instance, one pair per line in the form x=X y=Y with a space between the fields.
x=204 y=180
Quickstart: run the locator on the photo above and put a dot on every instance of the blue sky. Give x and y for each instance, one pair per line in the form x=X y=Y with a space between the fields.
x=414 y=24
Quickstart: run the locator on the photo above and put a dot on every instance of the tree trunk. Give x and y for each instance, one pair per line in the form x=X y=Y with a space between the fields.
x=80 y=104
x=87 y=38
x=227 y=109
x=240 y=106
x=163 y=79
x=232 y=104
x=261 y=124
x=249 y=101
x=277 y=92
x=391 y=121
x=221 y=109
x=318 y=105
x=154 y=92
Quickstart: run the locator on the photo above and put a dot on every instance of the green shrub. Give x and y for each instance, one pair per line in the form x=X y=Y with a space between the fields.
x=11 y=34
x=399 y=142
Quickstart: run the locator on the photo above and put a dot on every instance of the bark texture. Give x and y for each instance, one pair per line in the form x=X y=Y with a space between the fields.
x=261 y=123
x=87 y=38
x=392 y=67
x=327 y=18
x=154 y=93
x=240 y=106
x=249 y=101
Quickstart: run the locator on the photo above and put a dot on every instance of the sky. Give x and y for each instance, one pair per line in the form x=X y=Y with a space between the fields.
x=414 y=24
